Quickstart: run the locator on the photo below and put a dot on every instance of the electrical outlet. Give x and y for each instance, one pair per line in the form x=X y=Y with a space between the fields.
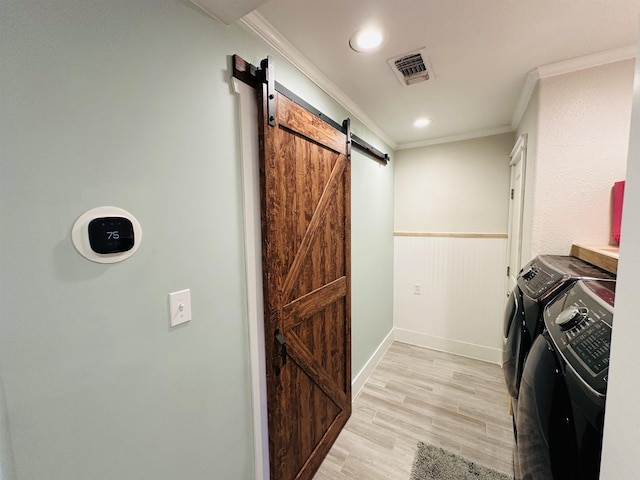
x=417 y=289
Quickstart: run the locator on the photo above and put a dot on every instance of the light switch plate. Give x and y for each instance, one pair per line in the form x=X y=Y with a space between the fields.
x=180 y=307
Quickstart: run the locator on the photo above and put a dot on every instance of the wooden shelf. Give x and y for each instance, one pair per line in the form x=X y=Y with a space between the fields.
x=603 y=256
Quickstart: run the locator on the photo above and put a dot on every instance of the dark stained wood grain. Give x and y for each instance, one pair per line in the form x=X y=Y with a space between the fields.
x=297 y=119
x=303 y=307
x=305 y=203
x=244 y=71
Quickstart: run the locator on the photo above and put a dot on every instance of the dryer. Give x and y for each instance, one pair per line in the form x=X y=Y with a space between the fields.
x=539 y=282
x=563 y=389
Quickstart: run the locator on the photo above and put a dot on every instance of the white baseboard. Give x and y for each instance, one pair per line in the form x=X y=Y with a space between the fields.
x=479 y=352
x=363 y=375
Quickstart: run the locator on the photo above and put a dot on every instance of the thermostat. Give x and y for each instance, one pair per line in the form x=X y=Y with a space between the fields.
x=106 y=234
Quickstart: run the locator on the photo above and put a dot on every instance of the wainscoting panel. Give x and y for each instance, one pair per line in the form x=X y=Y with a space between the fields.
x=450 y=292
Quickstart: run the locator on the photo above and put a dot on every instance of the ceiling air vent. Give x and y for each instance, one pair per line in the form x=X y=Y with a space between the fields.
x=411 y=68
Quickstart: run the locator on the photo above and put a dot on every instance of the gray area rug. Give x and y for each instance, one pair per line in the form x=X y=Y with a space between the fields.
x=434 y=463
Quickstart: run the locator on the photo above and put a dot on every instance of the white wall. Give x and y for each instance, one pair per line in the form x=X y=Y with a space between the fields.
x=581 y=151
x=529 y=125
x=128 y=103
x=455 y=188
x=460 y=308
x=620 y=459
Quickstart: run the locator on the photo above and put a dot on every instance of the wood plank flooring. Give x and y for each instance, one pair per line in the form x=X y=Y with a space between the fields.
x=416 y=394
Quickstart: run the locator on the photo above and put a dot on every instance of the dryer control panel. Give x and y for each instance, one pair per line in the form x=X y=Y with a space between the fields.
x=579 y=323
x=538 y=278
x=543 y=276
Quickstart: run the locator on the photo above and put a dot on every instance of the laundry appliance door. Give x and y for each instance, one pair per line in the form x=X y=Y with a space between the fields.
x=512 y=347
x=547 y=446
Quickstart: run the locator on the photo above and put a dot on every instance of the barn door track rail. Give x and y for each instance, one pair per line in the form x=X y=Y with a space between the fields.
x=254 y=76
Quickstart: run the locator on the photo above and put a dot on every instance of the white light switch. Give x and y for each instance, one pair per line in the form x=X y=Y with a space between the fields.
x=417 y=289
x=180 y=307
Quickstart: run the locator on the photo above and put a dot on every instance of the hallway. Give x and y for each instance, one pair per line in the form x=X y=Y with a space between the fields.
x=416 y=394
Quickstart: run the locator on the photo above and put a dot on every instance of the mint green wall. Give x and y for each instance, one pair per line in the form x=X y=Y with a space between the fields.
x=372 y=190
x=128 y=103
x=6 y=452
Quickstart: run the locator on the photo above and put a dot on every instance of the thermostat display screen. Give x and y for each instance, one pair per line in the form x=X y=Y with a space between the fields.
x=111 y=235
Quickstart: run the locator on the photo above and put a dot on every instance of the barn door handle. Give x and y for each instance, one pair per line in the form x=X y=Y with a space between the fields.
x=283 y=349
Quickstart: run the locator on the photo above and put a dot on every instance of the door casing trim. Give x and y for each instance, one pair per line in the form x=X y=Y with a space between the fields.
x=249 y=153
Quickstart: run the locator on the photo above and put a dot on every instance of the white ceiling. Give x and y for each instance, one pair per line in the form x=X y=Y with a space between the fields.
x=485 y=55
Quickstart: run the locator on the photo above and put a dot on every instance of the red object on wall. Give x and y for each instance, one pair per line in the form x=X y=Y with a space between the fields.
x=617 y=197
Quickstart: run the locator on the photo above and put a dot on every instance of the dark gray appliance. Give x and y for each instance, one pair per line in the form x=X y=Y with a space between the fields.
x=539 y=282
x=563 y=390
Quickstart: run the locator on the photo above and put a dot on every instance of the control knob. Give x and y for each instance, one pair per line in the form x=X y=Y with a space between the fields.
x=570 y=317
x=529 y=273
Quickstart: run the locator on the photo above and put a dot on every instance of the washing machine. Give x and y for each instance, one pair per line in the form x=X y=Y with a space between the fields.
x=538 y=283
x=563 y=389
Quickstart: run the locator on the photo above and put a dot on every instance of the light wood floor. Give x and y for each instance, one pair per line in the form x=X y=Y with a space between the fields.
x=416 y=394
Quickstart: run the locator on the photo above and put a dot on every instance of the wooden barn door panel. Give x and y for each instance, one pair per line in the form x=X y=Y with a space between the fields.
x=305 y=194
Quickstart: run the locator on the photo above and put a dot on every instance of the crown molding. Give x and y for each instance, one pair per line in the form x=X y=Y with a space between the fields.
x=586 y=61
x=457 y=138
x=564 y=67
x=258 y=25
x=227 y=12
x=527 y=91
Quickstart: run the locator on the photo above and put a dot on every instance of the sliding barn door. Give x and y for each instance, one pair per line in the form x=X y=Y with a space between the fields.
x=305 y=193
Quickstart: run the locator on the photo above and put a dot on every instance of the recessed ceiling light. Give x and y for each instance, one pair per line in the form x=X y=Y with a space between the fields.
x=421 y=122
x=366 y=40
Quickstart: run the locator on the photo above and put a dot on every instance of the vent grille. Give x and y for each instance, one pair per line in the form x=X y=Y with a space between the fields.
x=411 y=68
x=412 y=65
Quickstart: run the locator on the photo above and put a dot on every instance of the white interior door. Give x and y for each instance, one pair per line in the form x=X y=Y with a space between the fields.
x=516 y=205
